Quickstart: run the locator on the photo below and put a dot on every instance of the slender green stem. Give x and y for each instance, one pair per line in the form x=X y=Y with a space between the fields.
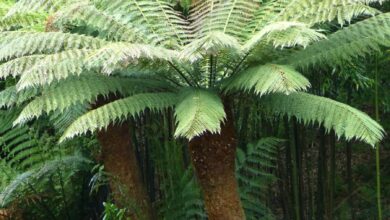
x=181 y=74
x=377 y=146
x=211 y=71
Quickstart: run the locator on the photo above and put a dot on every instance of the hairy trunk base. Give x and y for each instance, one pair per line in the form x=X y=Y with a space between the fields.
x=120 y=160
x=213 y=156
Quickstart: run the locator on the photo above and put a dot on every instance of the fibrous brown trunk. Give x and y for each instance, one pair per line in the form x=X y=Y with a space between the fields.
x=213 y=157
x=120 y=161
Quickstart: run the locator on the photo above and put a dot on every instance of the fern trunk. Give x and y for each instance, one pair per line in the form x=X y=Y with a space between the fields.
x=213 y=157
x=120 y=161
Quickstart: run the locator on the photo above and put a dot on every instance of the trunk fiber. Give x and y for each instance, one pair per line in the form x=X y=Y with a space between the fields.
x=120 y=160
x=213 y=157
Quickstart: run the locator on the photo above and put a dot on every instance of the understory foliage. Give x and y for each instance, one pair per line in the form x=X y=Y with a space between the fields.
x=276 y=63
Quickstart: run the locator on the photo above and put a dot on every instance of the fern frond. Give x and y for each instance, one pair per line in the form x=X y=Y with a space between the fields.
x=53 y=67
x=156 y=16
x=346 y=121
x=18 y=66
x=10 y=96
x=285 y=34
x=197 y=112
x=78 y=90
x=112 y=27
x=346 y=44
x=16 y=44
x=313 y=12
x=120 y=55
x=211 y=44
x=254 y=176
x=269 y=78
x=228 y=17
x=118 y=111
x=28 y=6
x=7 y=195
x=24 y=22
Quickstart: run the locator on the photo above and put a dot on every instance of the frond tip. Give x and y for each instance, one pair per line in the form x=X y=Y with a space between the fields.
x=343 y=119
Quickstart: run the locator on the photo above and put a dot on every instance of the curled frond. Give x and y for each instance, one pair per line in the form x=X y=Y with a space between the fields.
x=346 y=121
x=269 y=78
x=197 y=112
x=118 y=111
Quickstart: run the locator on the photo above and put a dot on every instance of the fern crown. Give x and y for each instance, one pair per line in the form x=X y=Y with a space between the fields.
x=189 y=60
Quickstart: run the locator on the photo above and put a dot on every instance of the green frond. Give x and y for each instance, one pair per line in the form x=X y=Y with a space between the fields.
x=120 y=55
x=211 y=44
x=24 y=182
x=53 y=67
x=112 y=27
x=18 y=66
x=266 y=14
x=156 y=16
x=15 y=44
x=197 y=112
x=254 y=176
x=78 y=90
x=28 y=6
x=285 y=34
x=31 y=21
x=228 y=17
x=7 y=195
x=269 y=78
x=320 y=11
x=346 y=44
x=10 y=96
x=118 y=111
x=346 y=121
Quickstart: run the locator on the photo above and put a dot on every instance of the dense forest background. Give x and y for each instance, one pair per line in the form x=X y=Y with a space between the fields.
x=286 y=167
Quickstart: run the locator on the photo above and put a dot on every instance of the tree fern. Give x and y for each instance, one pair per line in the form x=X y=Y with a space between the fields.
x=214 y=36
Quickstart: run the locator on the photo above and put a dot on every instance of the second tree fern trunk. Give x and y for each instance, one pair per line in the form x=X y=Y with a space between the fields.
x=213 y=156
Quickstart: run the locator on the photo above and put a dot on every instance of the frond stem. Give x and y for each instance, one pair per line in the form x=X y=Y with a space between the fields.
x=235 y=70
x=180 y=73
